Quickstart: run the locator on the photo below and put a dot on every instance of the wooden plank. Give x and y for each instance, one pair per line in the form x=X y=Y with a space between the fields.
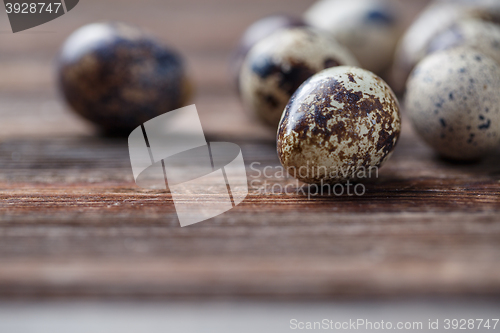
x=425 y=227
x=307 y=278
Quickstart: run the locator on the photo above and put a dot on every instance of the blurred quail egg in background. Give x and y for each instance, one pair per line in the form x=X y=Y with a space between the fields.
x=453 y=100
x=479 y=35
x=435 y=19
x=255 y=33
x=277 y=65
x=368 y=28
x=117 y=76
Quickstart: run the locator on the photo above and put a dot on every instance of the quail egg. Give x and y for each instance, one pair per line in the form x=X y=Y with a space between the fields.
x=258 y=31
x=453 y=99
x=277 y=65
x=368 y=28
x=341 y=121
x=118 y=77
x=436 y=18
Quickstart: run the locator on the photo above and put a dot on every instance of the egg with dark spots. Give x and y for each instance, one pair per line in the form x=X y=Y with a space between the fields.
x=341 y=121
x=258 y=31
x=453 y=100
x=118 y=77
x=276 y=66
x=368 y=28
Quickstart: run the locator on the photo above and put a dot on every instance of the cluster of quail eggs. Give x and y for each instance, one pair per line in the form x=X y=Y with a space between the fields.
x=270 y=68
x=452 y=74
x=442 y=25
x=118 y=77
x=317 y=81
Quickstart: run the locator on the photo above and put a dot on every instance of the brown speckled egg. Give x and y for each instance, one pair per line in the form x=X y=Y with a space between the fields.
x=276 y=66
x=258 y=31
x=340 y=121
x=368 y=28
x=453 y=99
x=118 y=77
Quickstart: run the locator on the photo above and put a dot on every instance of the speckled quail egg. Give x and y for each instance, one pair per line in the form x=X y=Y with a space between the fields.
x=277 y=65
x=368 y=28
x=258 y=31
x=118 y=77
x=436 y=18
x=453 y=99
x=340 y=121
x=476 y=34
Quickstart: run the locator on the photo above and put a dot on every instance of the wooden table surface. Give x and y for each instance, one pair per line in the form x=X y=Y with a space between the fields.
x=74 y=224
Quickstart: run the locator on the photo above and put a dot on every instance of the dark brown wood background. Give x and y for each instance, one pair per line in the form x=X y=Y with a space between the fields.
x=73 y=223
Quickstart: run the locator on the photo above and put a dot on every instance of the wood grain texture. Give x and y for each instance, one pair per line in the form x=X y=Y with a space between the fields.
x=74 y=224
